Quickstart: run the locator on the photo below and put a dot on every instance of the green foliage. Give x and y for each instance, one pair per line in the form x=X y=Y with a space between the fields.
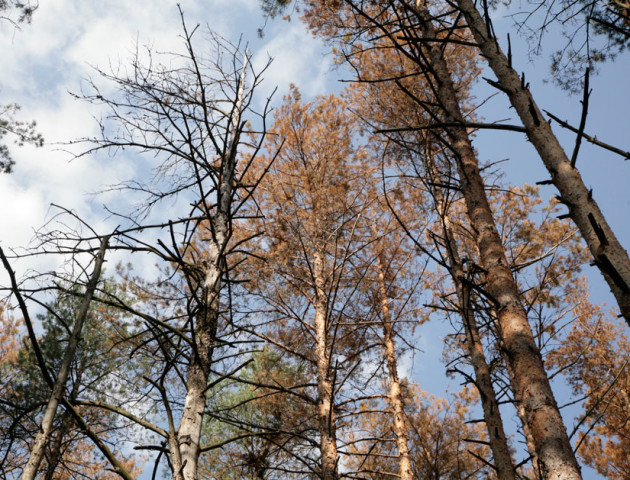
x=594 y=32
x=24 y=132
x=273 y=8
x=256 y=421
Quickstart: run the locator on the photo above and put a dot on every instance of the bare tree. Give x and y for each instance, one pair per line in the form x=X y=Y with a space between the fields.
x=196 y=116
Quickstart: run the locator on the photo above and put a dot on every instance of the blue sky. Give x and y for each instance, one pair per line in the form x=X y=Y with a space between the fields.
x=45 y=60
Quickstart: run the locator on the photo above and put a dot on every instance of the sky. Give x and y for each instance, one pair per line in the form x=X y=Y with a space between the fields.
x=43 y=62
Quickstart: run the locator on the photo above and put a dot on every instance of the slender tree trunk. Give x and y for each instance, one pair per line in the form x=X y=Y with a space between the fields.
x=531 y=384
x=611 y=258
x=43 y=436
x=474 y=348
x=325 y=385
x=56 y=454
x=492 y=416
x=54 y=458
x=189 y=430
x=395 y=391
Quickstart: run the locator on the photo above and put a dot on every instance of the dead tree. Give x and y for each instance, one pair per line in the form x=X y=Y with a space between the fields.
x=195 y=116
x=411 y=30
x=464 y=294
x=608 y=254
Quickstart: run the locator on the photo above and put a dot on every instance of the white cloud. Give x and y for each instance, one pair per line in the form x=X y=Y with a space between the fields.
x=297 y=58
x=50 y=57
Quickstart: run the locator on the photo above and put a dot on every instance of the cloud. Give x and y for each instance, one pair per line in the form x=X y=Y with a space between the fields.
x=297 y=58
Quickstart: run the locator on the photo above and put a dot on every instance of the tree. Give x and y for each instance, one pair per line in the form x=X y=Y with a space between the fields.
x=312 y=199
x=594 y=358
x=24 y=10
x=594 y=32
x=413 y=32
x=195 y=116
x=464 y=306
x=387 y=255
x=257 y=424
x=43 y=436
x=440 y=439
x=608 y=254
x=22 y=131
x=95 y=374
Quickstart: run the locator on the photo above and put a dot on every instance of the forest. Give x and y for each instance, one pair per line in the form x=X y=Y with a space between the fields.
x=256 y=299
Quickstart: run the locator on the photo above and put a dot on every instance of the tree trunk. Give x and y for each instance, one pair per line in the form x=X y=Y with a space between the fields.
x=530 y=384
x=54 y=459
x=189 y=430
x=611 y=258
x=529 y=439
x=43 y=436
x=483 y=381
x=474 y=348
x=326 y=414
x=56 y=454
x=395 y=392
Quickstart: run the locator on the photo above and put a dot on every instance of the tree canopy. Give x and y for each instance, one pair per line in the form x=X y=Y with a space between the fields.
x=277 y=282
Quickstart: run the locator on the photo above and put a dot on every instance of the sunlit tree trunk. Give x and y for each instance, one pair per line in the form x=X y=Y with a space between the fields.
x=395 y=391
x=530 y=382
x=325 y=381
x=611 y=258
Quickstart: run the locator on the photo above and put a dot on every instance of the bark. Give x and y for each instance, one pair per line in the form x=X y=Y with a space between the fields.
x=54 y=458
x=395 y=391
x=531 y=384
x=189 y=430
x=325 y=385
x=56 y=454
x=529 y=440
x=483 y=381
x=608 y=254
x=43 y=436
x=503 y=463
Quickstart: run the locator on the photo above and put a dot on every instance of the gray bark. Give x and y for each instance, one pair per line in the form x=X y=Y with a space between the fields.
x=189 y=429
